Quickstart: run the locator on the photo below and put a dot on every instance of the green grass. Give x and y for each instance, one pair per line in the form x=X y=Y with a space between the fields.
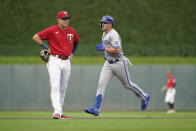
x=140 y=121
x=86 y=60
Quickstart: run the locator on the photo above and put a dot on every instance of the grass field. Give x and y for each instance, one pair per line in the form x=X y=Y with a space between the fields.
x=107 y=121
x=86 y=60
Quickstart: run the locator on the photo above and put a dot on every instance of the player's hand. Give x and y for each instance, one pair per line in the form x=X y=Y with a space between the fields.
x=71 y=56
x=100 y=47
x=163 y=88
x=49 y=50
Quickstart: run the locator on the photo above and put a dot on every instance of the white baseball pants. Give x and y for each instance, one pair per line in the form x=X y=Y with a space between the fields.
x=59 y=72
x=170 y=95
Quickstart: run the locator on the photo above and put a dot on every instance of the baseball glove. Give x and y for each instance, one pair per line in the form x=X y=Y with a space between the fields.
x=44 y=54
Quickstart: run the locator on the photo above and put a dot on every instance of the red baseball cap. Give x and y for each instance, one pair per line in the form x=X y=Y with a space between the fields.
x=169 y=72
x=63 y=15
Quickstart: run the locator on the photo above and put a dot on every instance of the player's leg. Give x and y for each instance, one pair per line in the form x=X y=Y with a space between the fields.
x=65 y=74
x=171 y=99
x=172 y=96
x=105 y=77
x=120 y=70
x=167 y=97
x=171 y=108
x=54 y=77
x=167 y=100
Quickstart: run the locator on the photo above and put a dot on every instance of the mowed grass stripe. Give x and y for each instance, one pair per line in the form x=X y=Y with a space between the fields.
x=101 y=123
x=94 y=60
x=103 y=114
x=77 y=118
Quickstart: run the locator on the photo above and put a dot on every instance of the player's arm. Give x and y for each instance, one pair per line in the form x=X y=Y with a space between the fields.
x=100 y=47
x=37 y=39
x=164 y=88
x=40 y=42
x=113 y=50
x=76 y=41
x=43 y=35
x=75 y=46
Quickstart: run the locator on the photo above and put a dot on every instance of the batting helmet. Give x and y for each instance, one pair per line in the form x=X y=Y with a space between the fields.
x=106 y=19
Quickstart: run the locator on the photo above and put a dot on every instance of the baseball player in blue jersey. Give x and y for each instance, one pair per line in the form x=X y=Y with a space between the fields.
x=116 y=64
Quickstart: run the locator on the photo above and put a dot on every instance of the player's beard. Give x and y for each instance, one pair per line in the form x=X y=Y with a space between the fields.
x=104 y=28
x=63 y=26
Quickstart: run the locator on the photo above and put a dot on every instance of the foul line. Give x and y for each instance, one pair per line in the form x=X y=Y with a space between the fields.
x=90 y=118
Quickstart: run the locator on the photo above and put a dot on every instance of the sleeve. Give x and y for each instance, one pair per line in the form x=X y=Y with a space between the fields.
x=45 y=34
x=75 y=46
x=174 y=83
x=76 y=37
x=115 y=40
x=76 y=41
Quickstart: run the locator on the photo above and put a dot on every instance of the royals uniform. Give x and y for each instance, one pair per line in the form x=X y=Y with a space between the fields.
x=171 y=91
x=61 y=43
x=116 y=65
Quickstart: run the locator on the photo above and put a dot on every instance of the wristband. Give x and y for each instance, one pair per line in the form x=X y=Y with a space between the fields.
x=43 y=45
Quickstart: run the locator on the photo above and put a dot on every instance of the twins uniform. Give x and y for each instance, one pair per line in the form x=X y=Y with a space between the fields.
x=171 y=91
x=115 y=65
x=61 y=43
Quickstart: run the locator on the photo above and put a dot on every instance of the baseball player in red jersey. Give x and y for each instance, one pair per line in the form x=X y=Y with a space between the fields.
x=63 y=41
x=171 y=92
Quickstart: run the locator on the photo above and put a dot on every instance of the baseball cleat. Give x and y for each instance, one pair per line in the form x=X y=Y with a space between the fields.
x=171 y=111
x=65 y=117
x=95 y=112
x=56 y=116
x=92 y=110
x=145 y=103
x=89 y=110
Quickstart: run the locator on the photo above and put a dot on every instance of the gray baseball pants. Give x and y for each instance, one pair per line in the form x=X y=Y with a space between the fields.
x=120 y=70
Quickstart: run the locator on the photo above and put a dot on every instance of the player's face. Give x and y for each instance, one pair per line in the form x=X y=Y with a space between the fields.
x=106 y=26
x=63 y=22
x=169 y=75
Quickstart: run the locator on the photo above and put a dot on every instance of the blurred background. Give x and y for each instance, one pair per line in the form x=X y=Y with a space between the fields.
x=164 y=30
x=147 y=27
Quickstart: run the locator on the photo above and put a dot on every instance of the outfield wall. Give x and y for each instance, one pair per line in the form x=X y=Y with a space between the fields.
x=26 y=87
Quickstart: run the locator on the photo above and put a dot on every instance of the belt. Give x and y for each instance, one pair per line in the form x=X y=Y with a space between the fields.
x=61 y=57
x=114 y=61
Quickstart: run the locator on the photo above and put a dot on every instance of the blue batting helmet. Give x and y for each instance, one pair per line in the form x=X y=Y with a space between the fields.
x=106 y=19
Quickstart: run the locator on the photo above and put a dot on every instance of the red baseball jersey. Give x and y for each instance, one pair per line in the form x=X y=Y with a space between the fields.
x=60 y=41
x=171 y=82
